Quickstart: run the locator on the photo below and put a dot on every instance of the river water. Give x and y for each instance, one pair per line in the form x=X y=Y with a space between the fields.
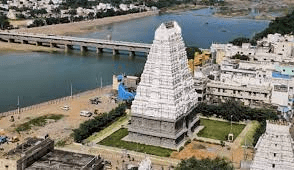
x=37 y=77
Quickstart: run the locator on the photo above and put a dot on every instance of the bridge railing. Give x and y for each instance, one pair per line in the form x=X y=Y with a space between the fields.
x=77 y=39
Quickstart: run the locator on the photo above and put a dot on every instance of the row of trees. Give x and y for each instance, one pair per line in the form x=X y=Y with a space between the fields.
x=235 y=109
x=283 y=25
x=159 y=3
x=100 y=122
x=204 y=164
x=241 y=57
x=259 y=131
x=4 y=23
x=239 y=112
x=72 y=18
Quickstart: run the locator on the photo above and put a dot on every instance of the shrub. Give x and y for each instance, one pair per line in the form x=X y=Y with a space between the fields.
x=181 y=148
x=60 y=143
x=223 y=144
x=204 y=164
x=259 y=131
x=91 y=126
x=187 y=142
x=39 y=121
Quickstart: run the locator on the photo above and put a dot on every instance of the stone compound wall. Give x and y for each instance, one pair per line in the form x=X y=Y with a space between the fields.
x=33 y=154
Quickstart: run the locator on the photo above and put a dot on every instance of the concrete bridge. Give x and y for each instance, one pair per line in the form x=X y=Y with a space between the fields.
x=68 y=42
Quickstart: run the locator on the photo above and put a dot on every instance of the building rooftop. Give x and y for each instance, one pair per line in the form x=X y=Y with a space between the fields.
x=59 y=159
x=24 y=147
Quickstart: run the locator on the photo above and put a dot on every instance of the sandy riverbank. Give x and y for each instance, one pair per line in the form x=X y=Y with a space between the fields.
x=84 y=26
x=14 y=47
x=61 y=129
x=68 y=29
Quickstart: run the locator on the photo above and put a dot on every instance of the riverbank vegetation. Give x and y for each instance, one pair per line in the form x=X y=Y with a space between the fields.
x=73 y=18
x=97 y=124
x=115 y=140
x=204 y=164
x=39 y=122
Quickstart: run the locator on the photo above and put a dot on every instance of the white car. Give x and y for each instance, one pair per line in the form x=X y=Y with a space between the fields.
x=85 y=113
x=65 y=108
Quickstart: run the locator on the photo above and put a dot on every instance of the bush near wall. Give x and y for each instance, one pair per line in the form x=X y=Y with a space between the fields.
x=91 y=126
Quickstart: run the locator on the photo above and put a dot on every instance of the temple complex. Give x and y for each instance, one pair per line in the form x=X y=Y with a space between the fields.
x=161 y=110
x=274 y=149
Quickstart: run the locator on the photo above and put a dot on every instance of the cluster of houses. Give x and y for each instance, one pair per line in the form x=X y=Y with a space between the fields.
x=51 y=8
x=264 y=79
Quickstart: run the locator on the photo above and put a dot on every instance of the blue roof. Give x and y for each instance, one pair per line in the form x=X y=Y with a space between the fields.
x=119 y=77
x=279 y=75
x=283 y=109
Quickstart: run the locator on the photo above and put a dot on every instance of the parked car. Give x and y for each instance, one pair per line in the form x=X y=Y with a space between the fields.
x=3 y=139
x=66 y=108
x=86 y=113
x=95 y=100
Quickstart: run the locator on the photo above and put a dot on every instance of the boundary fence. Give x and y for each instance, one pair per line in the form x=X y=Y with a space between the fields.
x=54 y=101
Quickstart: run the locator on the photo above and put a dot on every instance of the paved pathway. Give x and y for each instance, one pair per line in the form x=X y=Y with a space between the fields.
x=239 y=139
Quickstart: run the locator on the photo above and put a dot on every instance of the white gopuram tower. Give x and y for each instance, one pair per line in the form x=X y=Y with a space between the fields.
x=274 y=149
x=162 y=109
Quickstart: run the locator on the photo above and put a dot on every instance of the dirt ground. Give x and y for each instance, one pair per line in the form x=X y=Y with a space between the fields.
x=201 y=150
x=61 y=129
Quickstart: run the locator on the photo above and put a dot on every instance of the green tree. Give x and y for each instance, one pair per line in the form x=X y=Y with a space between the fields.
x=239 y=41
x=4 y=23
x=191 y=52
x=204 y=164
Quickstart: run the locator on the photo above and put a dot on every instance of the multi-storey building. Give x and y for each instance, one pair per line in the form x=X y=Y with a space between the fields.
x=273 y=48
x=254 y=83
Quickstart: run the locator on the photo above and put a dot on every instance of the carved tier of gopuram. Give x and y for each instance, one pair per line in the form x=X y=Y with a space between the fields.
x=161 y=110
x=274 y=149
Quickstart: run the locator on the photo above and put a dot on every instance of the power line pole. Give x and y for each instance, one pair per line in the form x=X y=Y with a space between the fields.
x=70 y=89
x=101 y=81
x=18 y=110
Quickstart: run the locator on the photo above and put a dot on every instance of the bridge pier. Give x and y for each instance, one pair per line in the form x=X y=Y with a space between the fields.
x=52 y=45
x=10 y=40
x=83 y=48
x=67 y=47
x=99 y=50
x=24 y=42
x=115 y=52
x=132 y=53
x=38 y=43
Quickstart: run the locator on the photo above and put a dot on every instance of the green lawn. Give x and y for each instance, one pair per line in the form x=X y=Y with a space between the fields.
x=109 y=129
x=114 y=140
x=219 y=130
